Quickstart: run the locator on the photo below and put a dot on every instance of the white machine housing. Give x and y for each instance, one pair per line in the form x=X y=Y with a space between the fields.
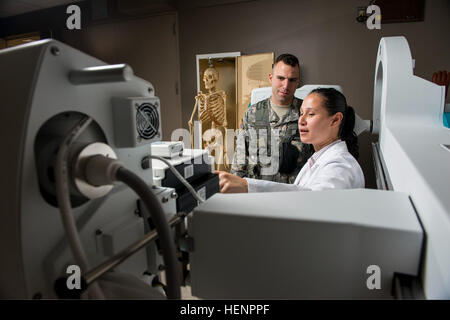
x=40 y=82
x=302 y=245
x=259 y=94
x=408 y=113
x=167 y=149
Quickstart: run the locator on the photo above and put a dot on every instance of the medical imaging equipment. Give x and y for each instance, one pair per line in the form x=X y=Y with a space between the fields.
x=77 y=188
x=81 y=188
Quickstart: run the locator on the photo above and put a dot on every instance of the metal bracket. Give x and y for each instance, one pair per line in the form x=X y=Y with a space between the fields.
x=187 y=244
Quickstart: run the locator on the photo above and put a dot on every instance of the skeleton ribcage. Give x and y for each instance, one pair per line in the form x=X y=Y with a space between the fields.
x=211 y=108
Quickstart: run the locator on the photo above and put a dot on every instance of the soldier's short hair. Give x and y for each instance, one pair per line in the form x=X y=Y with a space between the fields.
x=288 y=59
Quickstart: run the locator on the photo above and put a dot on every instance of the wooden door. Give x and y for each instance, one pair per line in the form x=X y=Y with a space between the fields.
x=252 y=72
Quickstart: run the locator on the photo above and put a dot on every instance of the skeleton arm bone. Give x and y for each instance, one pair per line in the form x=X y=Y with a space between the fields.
x=225 y=126
x=191 y=124
x=224 y=97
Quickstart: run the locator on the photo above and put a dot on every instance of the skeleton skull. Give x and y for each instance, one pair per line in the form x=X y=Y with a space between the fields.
x=210 y=78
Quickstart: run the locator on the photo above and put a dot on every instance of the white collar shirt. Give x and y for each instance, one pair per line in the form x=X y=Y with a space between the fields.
x=332 y=167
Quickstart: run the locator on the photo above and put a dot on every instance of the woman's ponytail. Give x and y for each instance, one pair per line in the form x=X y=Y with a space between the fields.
x=347 y=134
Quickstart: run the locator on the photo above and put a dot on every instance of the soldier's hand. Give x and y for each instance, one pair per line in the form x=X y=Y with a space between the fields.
x=229 y=183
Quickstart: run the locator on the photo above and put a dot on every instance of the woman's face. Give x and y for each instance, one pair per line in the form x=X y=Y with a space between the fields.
x=316 y=126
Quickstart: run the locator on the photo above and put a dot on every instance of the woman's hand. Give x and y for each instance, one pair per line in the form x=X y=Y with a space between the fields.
x=230 y=183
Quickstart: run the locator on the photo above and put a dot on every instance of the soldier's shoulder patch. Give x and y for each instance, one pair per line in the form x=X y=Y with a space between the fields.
x=252 y=108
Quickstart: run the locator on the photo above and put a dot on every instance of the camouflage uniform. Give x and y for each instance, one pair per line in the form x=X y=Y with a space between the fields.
x=253 y=157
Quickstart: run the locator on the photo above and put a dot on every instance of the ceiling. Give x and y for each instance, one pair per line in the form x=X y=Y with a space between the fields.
x=10 y=8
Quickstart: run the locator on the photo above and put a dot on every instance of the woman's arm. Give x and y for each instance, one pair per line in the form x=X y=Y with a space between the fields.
x=255 y=185
x=230 y=183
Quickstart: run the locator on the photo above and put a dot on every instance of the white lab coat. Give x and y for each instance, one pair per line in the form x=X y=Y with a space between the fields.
x=332 y=167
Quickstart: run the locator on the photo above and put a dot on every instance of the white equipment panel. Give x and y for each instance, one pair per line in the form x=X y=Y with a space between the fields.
x=408 y=113
x=302 y=245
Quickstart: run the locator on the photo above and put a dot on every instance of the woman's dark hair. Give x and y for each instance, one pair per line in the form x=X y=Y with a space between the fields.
x=336 y=102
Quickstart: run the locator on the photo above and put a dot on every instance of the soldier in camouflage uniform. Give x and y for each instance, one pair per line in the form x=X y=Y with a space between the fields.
x=265 y=135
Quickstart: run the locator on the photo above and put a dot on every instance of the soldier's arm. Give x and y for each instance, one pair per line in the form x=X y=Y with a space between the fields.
x=240 y=157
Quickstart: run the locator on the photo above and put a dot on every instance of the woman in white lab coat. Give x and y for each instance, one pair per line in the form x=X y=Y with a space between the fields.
x=326 y=123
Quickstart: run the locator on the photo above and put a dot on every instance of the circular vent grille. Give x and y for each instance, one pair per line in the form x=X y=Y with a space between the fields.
x=147 y=121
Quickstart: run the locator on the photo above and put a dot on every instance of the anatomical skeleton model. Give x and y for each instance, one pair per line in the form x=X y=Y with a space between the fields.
x=212 y=108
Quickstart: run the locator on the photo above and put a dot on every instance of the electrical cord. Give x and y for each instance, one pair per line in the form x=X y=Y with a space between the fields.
x=104 y=171
x=65 y=208
x=101 y=170
x=180 y=177
x=162 y=228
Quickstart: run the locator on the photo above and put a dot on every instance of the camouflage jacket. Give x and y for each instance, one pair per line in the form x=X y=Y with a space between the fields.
x=258 y=151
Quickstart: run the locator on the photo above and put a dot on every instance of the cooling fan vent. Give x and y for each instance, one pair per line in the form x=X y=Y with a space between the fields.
x=147 y=121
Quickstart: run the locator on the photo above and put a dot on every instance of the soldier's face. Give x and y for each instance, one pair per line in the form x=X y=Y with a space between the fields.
x=284 y=79
x=315 y=125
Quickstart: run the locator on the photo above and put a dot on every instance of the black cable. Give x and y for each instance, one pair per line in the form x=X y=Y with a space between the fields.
x=156 y=211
